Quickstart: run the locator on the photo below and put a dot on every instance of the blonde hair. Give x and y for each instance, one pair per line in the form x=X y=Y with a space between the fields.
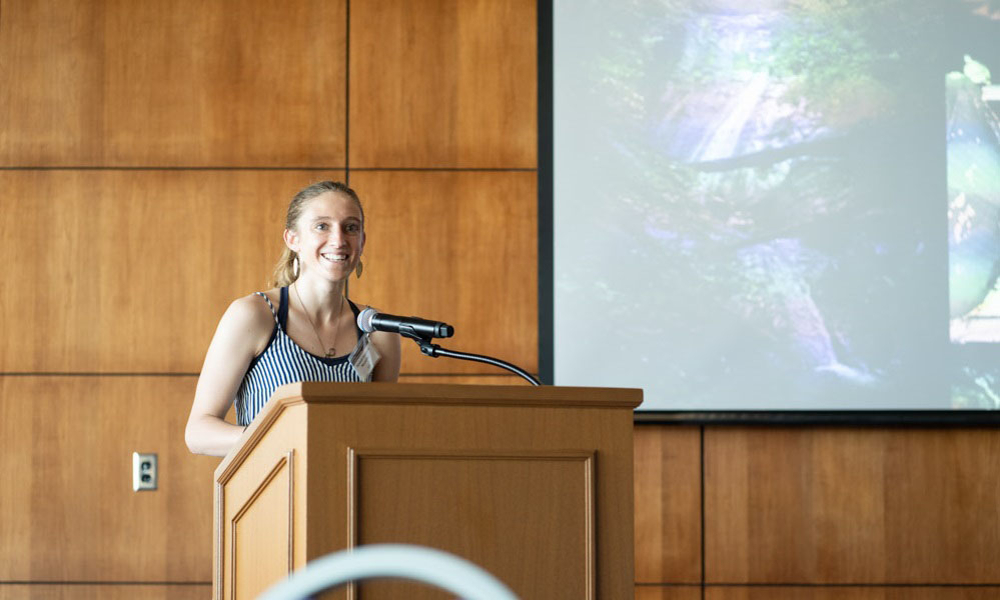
x=286 y=271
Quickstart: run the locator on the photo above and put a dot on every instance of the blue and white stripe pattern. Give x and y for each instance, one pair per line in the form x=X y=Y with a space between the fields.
x=283 y=361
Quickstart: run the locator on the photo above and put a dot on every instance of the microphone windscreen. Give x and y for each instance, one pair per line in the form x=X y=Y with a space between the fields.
x=365 y=319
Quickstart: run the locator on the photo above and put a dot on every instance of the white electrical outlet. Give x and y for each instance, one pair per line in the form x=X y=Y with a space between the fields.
x=143 y=471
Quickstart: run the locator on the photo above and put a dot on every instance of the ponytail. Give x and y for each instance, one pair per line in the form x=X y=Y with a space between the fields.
x=286 y=271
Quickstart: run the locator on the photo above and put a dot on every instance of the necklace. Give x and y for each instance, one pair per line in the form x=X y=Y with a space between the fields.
x=333 y=349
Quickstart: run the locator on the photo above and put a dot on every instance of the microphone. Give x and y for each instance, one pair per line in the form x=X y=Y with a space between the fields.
x=370 y=320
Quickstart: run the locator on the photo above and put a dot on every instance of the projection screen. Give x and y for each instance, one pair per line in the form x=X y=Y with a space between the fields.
x=785 y=204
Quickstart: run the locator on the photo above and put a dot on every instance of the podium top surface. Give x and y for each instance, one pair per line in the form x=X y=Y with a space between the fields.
x=476 y=395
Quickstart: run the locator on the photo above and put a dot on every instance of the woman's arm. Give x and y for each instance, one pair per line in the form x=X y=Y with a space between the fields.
x=242 y=333
x=387 y=368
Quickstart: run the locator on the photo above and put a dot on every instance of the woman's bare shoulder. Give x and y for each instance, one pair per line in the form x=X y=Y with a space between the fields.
x=251 y=313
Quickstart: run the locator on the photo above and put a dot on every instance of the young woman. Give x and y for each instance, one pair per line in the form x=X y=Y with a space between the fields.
x=303 y=329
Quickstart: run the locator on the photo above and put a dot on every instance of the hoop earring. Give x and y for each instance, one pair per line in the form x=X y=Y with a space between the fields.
x=295 y=265
x=358 y=269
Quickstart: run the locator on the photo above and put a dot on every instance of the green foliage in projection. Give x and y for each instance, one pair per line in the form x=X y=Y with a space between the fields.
x=843 y=56
x=627 y=78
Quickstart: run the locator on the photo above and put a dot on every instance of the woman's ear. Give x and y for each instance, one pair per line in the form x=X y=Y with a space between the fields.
x=291 y=240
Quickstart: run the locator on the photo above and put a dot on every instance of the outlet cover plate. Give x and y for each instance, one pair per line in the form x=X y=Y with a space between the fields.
x=144 y=472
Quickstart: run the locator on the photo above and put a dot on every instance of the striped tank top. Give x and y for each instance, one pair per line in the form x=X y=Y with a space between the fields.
x=283 y=361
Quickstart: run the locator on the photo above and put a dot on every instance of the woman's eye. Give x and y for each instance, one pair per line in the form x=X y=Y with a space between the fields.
x=321 y=226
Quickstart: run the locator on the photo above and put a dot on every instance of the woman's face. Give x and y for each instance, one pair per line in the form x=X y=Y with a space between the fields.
x=328 y=236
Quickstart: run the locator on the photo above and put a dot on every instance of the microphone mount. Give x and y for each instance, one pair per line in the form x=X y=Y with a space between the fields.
x=434 y=350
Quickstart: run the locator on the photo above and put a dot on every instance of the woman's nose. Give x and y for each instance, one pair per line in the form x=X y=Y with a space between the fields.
x=337 y=237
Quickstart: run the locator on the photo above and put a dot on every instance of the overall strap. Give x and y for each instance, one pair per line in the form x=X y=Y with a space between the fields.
x=283 y=308
x=271 y=306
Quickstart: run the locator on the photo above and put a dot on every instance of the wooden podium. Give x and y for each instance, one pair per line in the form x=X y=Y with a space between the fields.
x=534 y=484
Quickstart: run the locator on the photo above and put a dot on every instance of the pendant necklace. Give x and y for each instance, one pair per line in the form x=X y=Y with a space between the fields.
x=333 y=349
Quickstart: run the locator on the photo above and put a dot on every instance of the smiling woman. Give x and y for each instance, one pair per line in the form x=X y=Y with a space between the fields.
x=271 y=338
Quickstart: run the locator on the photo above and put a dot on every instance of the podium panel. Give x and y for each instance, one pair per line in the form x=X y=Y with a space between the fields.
x=503 y=502
x=532 y=484
x=261 y=544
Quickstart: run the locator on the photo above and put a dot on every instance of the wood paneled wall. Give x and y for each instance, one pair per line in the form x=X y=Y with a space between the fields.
x=817 y=512
x=148 y=151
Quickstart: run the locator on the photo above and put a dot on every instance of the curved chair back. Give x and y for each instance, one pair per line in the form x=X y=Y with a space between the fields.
x=418 y=563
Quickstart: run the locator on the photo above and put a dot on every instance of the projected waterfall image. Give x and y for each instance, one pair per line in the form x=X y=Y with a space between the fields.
x=781 y=204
